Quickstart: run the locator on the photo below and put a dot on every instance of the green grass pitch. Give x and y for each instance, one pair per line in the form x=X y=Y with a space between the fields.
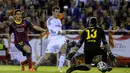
x=53 y=69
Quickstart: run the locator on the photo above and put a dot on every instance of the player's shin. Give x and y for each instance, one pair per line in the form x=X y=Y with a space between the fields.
x=61 y=61
x=22 y=64
x=39 y=62
x=84 y=67
x=29 y=59
x=41 y=59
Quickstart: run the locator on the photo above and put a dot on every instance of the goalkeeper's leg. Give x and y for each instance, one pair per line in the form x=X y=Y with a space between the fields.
x=105 y=59
x=84 y=67
x=41 y=59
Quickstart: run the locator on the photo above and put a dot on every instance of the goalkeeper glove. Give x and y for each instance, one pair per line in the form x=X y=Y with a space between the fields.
x=112 y=57
x=70 y=55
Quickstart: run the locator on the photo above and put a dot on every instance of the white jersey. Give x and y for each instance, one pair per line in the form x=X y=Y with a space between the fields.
x=54 y=26
x=55 y=40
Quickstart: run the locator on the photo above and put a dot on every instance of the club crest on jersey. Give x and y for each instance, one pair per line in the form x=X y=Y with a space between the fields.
x=57 y=26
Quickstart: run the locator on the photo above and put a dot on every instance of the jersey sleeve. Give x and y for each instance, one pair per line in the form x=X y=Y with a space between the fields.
x=11 y=29
x=51 y=27
x=29 y=24
x=103 y=37
x=82 y=39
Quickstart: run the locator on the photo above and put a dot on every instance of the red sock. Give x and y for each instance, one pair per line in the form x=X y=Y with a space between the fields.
x=24 y=62
x=29 y=63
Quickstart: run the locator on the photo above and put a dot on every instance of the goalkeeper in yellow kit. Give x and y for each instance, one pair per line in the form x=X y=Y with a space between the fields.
x=91 y=37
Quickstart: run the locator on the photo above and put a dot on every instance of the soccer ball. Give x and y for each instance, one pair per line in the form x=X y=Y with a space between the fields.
x=102 y=66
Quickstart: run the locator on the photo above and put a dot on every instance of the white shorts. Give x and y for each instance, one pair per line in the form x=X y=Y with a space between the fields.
x=54 y=45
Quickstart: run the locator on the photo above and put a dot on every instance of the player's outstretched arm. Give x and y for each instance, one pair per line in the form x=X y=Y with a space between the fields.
x=107 y=46
x=72 y=53
x=39 y=28
x=110 y=54
x=76 y=48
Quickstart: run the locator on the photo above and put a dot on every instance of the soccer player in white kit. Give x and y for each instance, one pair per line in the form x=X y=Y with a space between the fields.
x=57 y=41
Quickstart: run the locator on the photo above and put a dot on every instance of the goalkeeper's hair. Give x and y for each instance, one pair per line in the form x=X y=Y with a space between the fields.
x=55 y=7
x=93 y=21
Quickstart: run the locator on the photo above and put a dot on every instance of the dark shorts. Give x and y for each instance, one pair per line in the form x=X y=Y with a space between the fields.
x=89 y=55
x=20 y=46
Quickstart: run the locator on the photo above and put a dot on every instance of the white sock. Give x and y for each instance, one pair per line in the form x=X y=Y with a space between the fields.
x=61 y=61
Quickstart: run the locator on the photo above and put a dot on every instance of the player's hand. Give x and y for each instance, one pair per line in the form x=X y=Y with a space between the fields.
x=62 y=32
x=70 y=55
x=42 y=33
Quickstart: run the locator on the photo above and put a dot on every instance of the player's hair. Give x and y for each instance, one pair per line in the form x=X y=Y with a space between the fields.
x=93 y=21
x=55 y=7
x=18 y=10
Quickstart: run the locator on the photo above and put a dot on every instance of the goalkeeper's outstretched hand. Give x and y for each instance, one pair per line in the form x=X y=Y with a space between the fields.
x=112 y=58
x=70 y=55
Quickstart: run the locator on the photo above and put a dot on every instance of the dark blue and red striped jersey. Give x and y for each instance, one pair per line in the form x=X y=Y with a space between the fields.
x=20 y=30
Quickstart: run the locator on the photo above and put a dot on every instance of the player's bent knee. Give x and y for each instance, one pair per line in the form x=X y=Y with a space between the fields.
x=28 y=55
x=89 y=66
x=46 y=56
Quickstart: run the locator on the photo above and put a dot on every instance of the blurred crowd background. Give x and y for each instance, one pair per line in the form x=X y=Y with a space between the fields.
x=75 y=14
